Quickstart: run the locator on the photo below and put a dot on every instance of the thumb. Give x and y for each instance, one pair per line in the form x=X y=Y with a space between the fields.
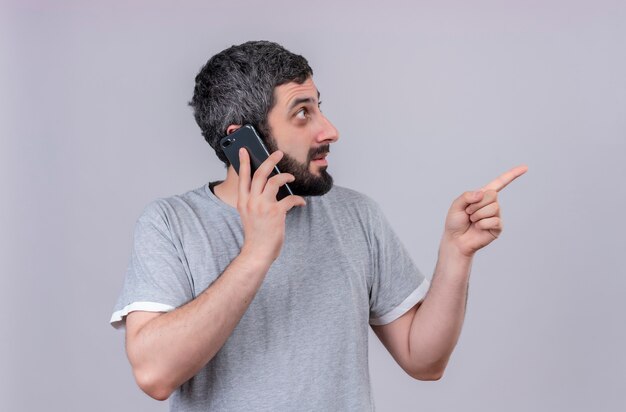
x=466 y=199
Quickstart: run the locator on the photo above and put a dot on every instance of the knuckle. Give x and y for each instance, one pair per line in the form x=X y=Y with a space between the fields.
x=252 y=205
x=271 y=182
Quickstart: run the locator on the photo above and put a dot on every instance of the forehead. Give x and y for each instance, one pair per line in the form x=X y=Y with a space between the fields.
x=288 y=92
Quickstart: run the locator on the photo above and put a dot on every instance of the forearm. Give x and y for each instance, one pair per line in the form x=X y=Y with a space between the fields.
x=437 y=324
x=173 y=347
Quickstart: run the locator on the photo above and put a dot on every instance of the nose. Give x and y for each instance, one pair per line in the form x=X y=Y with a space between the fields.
x=328 y=133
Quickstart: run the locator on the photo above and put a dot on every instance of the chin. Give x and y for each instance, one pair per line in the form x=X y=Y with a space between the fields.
x=317 y=171
x=315 y=185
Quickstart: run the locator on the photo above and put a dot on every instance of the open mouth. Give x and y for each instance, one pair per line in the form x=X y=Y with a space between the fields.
x=320 y=159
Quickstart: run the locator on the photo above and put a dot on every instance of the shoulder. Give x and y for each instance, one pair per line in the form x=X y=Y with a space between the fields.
x=164 y=210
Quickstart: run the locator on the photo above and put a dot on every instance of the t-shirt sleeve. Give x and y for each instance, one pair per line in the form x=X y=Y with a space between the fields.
x=156 y=280
x=397 y=284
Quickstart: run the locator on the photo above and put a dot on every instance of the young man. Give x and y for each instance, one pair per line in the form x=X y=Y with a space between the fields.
x=236 y=301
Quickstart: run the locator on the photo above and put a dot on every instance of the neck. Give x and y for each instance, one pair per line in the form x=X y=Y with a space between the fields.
x=228 y=190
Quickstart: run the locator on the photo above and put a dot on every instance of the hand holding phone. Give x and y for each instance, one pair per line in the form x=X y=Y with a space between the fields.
x=262 y=216
x=246 y=136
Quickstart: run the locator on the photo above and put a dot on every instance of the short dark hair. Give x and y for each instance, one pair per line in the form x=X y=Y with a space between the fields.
x=236 y=86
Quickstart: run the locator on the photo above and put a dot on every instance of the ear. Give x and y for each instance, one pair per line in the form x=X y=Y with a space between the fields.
x=232 y=128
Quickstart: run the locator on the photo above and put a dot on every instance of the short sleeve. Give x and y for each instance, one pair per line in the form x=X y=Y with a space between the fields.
x=397 y=284
x=156 y=280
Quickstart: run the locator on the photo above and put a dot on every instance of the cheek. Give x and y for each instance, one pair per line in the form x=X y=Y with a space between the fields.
x=297 y=151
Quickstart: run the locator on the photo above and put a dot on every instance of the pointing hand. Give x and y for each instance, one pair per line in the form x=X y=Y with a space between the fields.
x=473 y=220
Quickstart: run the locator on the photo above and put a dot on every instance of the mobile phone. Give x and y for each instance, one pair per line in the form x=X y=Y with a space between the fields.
x=247 y=136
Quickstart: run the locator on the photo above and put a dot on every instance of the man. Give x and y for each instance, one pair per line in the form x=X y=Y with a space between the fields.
x=236 y=301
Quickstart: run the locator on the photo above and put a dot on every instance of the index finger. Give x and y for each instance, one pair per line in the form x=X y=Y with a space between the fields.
x=505 y=178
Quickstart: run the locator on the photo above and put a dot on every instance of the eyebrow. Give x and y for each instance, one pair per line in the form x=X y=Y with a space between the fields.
x=303 y=100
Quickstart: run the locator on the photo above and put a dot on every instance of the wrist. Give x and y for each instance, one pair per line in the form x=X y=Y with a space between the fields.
x=452 y=263
x=449 y=247
x=254 y=261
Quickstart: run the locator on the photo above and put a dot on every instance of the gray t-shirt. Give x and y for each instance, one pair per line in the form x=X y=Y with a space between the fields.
x=302 y=343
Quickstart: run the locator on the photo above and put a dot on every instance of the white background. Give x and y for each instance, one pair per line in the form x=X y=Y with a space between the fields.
x=431 y=98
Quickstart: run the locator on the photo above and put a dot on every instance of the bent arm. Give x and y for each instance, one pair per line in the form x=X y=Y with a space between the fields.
x=165 y=350
x=433 y=328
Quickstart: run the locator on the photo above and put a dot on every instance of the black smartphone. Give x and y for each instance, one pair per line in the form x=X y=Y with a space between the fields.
x=247 y=136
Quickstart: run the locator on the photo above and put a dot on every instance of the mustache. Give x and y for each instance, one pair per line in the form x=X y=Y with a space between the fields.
x=319 y=151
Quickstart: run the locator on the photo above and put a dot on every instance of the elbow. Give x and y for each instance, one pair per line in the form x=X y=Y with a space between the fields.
x=152 y=386
x=432 y=376
x=431 y=373
x=148 y=376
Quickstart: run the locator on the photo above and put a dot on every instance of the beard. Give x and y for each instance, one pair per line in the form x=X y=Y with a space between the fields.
x=306 y=183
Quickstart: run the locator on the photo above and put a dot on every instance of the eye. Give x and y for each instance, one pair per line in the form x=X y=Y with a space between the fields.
x=301 y=114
